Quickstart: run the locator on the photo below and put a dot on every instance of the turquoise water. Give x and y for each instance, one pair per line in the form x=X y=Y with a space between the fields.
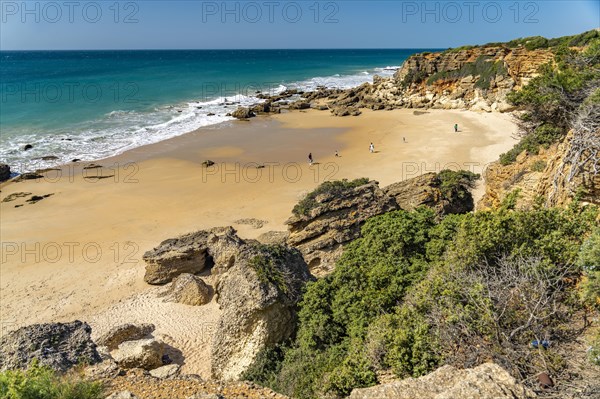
x=94 y=104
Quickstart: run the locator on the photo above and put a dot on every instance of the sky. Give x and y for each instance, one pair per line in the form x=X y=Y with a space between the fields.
x=198 y=24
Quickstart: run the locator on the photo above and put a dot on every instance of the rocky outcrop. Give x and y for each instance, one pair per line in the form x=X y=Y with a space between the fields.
x=257 y=288
x=4 y=172
x=60 y=346
x=549 y=175
x=185 y=254
x=144 y=353
x=425 y=190
x=125 y=332
x=487 y=381
x=190 y=290
x=191 y=253
x=164 y=372
x=335 y=220
x=258 y=297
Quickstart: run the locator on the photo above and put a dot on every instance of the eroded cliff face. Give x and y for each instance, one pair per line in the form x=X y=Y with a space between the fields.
x=550 y=177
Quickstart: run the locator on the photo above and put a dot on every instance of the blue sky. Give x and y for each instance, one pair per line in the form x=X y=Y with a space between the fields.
x=163 y=24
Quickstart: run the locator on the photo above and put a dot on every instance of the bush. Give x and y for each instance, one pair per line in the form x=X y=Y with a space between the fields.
x=594 y=350
x=538 y=166
x=39 y=382
x=457 y=184
x=589 y=261
x=333 y=188
x=413 y=293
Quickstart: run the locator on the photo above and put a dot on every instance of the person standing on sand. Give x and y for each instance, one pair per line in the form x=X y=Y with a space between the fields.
x=336 y=154
x=372 y=148
x=310 y=158
x=456 y=128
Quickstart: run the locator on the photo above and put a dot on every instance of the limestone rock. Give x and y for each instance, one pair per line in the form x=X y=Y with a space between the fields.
x=425 y=190
x=185 y=254
x=144 y=353
x=487 y=381
x=335 y=221
x=164 y=372
x=190 y=290
x=60 y=346
x=125 y=332
x=258 y=297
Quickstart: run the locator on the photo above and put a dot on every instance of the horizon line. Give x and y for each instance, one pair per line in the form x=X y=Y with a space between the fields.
x=237 y=49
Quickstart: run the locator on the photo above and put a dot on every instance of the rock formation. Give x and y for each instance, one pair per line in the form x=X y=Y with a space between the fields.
x=334 y=221
x=144 y=353
x=190 y=290
x=549 y=175
x=60 y=346
x=125 y=332
x=336 y=218
x=258 y=297
x=486 y=381
x=191 y=253
x=258 y=287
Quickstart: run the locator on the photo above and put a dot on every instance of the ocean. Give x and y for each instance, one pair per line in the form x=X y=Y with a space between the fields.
x=95 y=104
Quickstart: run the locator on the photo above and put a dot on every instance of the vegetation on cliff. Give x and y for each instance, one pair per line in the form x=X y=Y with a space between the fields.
x=331 y=188
x=413 y=293
x=555 y=100
x=485 y=68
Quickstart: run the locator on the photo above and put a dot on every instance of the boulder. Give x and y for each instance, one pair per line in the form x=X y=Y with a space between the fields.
x=4 y=172
x=258 y=297
x=59 y=346
x=300 y=104
x=192 y=253
x=164 y=372
x=144 y=353
x=27 y=147
x=125 y=332
x=486 y=381
x=185 y=254
x=243 y=113
x=190 y=290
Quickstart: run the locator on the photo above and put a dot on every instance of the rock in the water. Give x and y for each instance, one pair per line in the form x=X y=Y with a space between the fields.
x=242 y=113
x=258 y=298
x=122 y=395
x=335 y=220
x=487 y=381
x=57 y=345
x=125 y=332
x=189 y=290
x=144 y=353
x=165 y=372
x=4 y=172
x=27 y=147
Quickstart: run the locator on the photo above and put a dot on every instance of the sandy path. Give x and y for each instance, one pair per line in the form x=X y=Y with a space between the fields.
x=78 y=254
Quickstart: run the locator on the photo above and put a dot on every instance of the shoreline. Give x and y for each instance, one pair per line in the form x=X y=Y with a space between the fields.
x=77 y=254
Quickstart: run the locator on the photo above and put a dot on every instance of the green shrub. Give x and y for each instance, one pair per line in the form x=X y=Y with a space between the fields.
x=541 y=137
x=39 y=382
x=457 y=184
x=414 y=76
x=538 y=166
x=333 y=188
x=589 y=261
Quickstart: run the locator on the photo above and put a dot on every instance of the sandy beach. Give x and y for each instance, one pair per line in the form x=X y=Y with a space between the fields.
x=77 y=254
